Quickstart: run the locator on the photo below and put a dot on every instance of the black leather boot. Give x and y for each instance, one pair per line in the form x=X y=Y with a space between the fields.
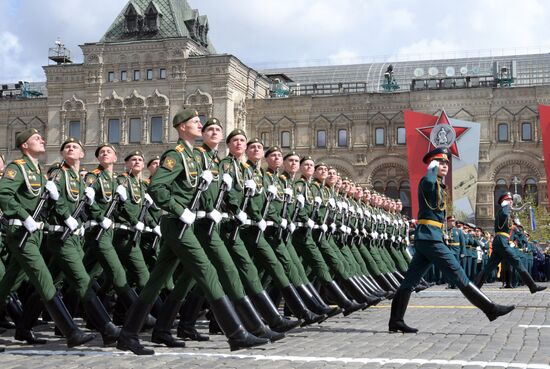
x=271 y=315
x=385 y=284
x=65 y=323
x=341 y=299
x=372 y=288
x=14 y=309
x=165 y=318
x=128 y=297
x=480 y=279
x=477 y=298
x=330 y=311
x=4 y=322
x=189 y=312
x=298 y=308
x=30 y=313
x=388 y=293
x=101 y=321
x=398 y=308
x=393 y=280
x=237 y=337
x=530 y=282
x=252 y=321
x=369 y=299
x=311 y=302
x=129 y=339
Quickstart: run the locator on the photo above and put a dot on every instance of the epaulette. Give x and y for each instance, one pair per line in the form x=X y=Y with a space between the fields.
x=180 y=148
x=124 y=174
x=96 y=171
x=283 y=177
x=147 y=181
x=20 y=161
x=246 y=165
x=200 y=148
x=269 y=174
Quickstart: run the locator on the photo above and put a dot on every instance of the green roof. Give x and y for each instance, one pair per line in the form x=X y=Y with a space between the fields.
x=157 y=20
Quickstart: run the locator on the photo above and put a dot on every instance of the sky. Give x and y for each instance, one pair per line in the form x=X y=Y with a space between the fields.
x=286 y=33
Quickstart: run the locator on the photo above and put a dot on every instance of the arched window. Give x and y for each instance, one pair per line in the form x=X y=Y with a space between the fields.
x=391 y=190
x=342 y=138
x=503 y=132
x=531 y=190
x=526 y=131
x=322 y=138
x=379 y=186
x=405 y=197
x=285 y=139
x=500 y=188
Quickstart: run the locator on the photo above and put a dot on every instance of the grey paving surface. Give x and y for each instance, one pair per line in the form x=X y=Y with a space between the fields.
x=452 y=335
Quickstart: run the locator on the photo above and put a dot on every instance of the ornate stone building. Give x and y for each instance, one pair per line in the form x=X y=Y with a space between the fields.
x=156 y=57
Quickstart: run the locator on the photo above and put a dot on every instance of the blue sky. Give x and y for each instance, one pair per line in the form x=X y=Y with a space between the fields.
x=267 y=33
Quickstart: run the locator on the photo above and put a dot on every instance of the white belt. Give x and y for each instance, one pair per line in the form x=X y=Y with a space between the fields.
x=249 y=222
x=147 y=229
x=201 y=214
x=270 y=223
x=122 y=226
x=300 y=224
x=58 y=228
x=90 y=224
x=17 y=222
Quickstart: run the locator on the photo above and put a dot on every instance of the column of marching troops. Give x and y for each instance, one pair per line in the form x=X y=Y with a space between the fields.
x=227 y=234
x=201 y=231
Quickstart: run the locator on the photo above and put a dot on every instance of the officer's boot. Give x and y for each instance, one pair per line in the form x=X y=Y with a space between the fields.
x=530 y=282
x=229 y=321
x=166 y=316
x=477 y=298
x=24 y=323
x=480 y=279
x=341 y=299
x=100 y=320
x=252 y=321
x=312 y=303
x=189 y=312
x=65 y=323
x=384 y=283
x=298 y=308
x=271 y=315
x=398 y=309
x=129 y=335
x=128 y=297
x=330 y=311
x=358 y=294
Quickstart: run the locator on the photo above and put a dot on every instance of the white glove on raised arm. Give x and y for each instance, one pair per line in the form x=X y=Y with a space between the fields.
x=301 y=200
x=188 y=217
x=207 y=177
x=121 y=191
x=149 y=200
x=433 y=164
x=250 y=184
x=52 y=190
x=228 y=180
x=72 y=223
x=90 y=195
x=272 y=190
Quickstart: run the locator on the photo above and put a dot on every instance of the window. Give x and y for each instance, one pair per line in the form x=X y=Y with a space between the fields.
x=500 y=189
x=156 y=129
x=342 y=138
x=531 y=191
x=264 y=136
x=503 y=132
x=378 y=186
x=74 y=129
x=162 y=73
x=123 y=75
x=526 y=134
x=149 y=74
x=379 y=136
x=114 y=131
x=405 y=196
x=110 y=76
x=136 y=75
x=391 y=190
x=321 y=138
x=401 y=138
x=285 y=139
x=135 y=130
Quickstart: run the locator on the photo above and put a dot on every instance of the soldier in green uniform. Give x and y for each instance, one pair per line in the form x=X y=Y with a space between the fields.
x=501 y=249
x=150 y=238
x=173 y=188
x=21 y=189
x=430 y=247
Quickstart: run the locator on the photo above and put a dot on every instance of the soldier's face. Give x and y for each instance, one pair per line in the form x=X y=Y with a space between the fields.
x=307 y=168
x=255 y=152
x=321 y=173
x=135 y=164
x=72 y=152
x=358 y=192
x=153 y=166
x=35 y=144
x=366 y=195
x=107 y=156
x=192 y=128
x=274 y=160
x=399 y=206
x=212 y=135
x=478 y=233
x=237 y=145
x=443 y=168
x=332 y=177
x=292 y=164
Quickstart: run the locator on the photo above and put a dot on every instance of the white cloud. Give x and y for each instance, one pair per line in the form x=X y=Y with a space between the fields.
x=427 y=49
x=344 y=57
x=10 y=60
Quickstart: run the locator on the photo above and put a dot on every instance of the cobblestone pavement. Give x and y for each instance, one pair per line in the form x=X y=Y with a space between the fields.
x=453 y=334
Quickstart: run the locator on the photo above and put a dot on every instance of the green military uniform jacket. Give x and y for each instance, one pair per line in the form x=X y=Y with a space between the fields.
x=104 y=183
x=71 y=190
x=431 y=204
x=208 y=159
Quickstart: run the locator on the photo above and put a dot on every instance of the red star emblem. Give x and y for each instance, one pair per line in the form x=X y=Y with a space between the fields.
x=449 y=137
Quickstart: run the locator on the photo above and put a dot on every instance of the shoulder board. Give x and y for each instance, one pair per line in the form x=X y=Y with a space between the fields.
x=246 y=165
x=123 y=174
x=283 y=177
x=20 y=161
x=96 y=171
x=147 y=181
x=200 y=148
x=269 y=174
x=180 y=148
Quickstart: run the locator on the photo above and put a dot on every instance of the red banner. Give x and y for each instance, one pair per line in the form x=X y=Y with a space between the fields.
x=417 y=147
x=544 y=116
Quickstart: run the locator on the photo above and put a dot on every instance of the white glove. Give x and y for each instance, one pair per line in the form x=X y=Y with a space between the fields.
x=317 y=200
x=188 y=217
x=324 y=228
x=356 y=232
x=30 y=224
x=215 y=215
x=399 y=239
x=367 y=213
x=433 y=164
x=149 y=199
x=333 y=227
x=90 y=195
x=348 y=230
x=331 y=202
x=241 y=217
x=345 y=205
x=360 y=212
x=121 y=190
x=364 y=232
x=207 y=177
x=301 y=200
x=228 y=180
x=250 y=184
x=139 y=226
x=72 y=223
x=352 y=209
x=343 y=228
x=310 y=223
x=262 y=225
x=288 y=191
x=340 y=205
x=392 y=238
x=272 y=190
x=52 y=190
x=291 y=227
x=373 y=235
x=284 y=223
x=106 y=223
x=157 y=231
x=505 y=203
